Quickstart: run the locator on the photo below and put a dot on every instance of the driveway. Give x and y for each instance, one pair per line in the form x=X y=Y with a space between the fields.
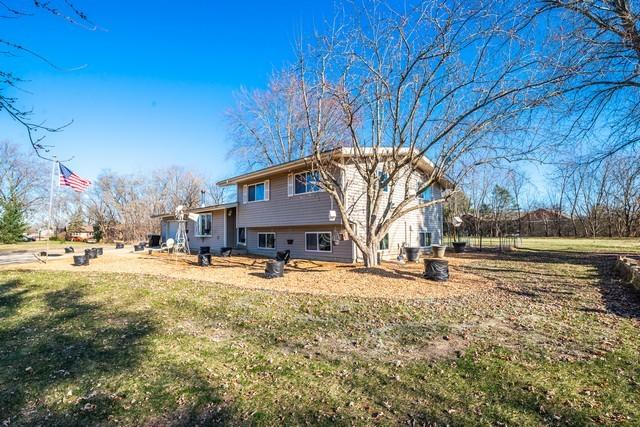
x=17 y=258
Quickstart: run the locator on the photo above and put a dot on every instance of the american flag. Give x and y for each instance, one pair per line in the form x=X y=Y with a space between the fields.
x=70 y=179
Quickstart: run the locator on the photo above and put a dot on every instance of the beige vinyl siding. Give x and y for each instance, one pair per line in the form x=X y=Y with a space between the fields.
x=406 y=229
x=282 y=209
x=216 y=240
x=342 y=252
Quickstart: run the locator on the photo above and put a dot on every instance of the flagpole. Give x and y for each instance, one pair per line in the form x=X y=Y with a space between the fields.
x=54 y=162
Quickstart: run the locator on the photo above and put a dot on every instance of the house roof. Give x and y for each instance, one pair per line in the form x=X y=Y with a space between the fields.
x=424 y=163
x=201 y=209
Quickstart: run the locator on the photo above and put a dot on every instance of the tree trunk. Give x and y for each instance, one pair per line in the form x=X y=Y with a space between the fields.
x=371 y=256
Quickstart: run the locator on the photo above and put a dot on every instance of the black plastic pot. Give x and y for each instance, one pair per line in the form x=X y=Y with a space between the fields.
x=80 y=260
x=459 y=246
x=205 y=250
x=138 y=248
x=91 y=253
x=413 y=253
x=274 y=269
x=119 y=245
x=68 y=250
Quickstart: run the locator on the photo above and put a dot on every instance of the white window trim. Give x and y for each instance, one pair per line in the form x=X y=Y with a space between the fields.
x=291 y=184
x=425 y=231
x=318 y=241
x=384 y=189
x=238 y=236
x=389 y=242
x=419 y=195
x=258 y=240
x=198 y=225
x=266 y=191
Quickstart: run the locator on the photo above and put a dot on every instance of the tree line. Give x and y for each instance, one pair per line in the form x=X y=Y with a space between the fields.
x=116 y=206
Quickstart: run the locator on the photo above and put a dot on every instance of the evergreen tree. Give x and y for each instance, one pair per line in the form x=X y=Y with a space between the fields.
x=97 y=232
x=12 y=222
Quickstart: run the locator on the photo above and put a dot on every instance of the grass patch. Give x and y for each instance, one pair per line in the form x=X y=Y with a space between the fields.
x=555 y=344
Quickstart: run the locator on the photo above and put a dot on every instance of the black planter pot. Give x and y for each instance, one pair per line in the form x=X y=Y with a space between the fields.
x=413 y=253
x=205 y=250
x=80 y=260
x=459 y=246
x=119 y=245
x=99 y=251
x=91 y=253
x=138 y=248
x=274 y=269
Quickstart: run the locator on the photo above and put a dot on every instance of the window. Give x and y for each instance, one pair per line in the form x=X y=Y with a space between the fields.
x=242 y=236
x=383 y=176
x=306 y=182
x=266 y=240
x=318 y=242
x=425 y=238
x=384 y=243
x=426 y=195
x=204 y=225
x=256 y=192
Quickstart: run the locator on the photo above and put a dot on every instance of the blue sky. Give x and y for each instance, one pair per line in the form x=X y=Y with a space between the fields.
x=155 y=83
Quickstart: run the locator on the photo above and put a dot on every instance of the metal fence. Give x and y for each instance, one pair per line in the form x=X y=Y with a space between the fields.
x=505 y=242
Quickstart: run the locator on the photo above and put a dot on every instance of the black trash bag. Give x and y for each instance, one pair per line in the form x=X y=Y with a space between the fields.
x=68 y=250
x=99 y=251
x=91 y=253
x=283 y=256
x=436 y=269
x=80 y=260
x=204 y=260
x=226 y=251
x=274 y=269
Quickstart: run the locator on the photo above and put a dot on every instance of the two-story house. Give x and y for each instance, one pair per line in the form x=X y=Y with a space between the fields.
x=281 y=207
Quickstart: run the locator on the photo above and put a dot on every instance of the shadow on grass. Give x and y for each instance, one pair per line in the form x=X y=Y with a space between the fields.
x=61 y=341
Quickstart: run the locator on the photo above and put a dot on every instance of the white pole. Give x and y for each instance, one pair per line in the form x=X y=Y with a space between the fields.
x=54 y=162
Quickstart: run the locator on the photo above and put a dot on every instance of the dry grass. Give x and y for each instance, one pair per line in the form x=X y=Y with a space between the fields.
x=390 y=280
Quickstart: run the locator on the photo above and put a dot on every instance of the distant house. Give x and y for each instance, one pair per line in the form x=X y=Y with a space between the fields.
x=281 y=208
x=84 y=233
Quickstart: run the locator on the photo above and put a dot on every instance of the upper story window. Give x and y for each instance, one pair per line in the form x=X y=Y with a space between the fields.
x=426 y=194
x=306 y=182
x=204 y=225
x=255 y=192
x=382 y=177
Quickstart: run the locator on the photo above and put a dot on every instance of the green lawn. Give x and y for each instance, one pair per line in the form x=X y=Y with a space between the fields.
x=569 y=244
x=556 y=343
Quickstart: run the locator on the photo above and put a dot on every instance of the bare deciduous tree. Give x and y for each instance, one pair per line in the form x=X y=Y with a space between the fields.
x=22 y=177
x=11 y=83
x=597 y=44
x=454 y=81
